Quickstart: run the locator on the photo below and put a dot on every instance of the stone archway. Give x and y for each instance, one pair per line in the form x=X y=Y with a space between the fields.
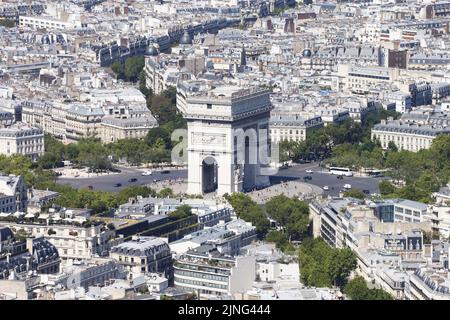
x=209 y=174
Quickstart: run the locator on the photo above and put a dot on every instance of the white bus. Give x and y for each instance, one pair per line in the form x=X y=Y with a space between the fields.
x=341 y=171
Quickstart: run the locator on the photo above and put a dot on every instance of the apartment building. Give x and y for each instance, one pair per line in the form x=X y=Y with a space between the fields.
x=227 y=238
x=22 y=138
x=46 y=22
x=409 y=211
x=360 y=79
x=35 y=254
x=113 y=129
x=292 y=127
x=428 y=284
x=109 y=118
x=144 y=255
x=407 y=135
x=207 y=272
x=73 y=242
x=13 y=194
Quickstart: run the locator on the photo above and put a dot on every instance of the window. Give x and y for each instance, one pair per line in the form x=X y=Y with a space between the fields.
x=209 y=106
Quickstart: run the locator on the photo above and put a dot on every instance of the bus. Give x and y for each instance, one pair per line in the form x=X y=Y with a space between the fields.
x=341 y=171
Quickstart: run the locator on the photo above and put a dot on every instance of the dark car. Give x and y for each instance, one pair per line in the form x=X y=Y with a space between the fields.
x=340 y=177
x=307 y=178
x=165 y=171
x=365 y=191
x=118 y=185
x=132 y=180
x=90 y=188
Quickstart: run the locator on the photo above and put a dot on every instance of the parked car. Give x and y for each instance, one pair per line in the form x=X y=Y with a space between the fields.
x=118 y=185
x=347 y=186
x=90 y=187
x=365 y=191
x=340 y=177
x=132 y=180
x=165 y=171
x=325 y=188
x=147 y=173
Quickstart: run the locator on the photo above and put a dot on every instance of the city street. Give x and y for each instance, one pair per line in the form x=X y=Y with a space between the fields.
x=296 y=172
x=324 y=178
x=108 y=182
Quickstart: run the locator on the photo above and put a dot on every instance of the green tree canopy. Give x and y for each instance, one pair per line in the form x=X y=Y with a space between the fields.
x=386 y=187
x=181 y=212
x=324 y=266
x=248 y=210
x=8 y=23
x=291 y=213
x=354 y=193
x=357 y=289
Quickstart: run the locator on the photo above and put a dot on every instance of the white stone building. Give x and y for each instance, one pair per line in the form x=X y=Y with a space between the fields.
x=22 y=138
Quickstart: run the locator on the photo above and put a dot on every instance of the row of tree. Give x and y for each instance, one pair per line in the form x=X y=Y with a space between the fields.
x=349 y=145
x=320 y=143
x=130 y=70
x=357 y=289
x=324 y=266
x=8 y=23
x=290 y=214
x=422 y=172
x=100 y=201
x=158 y=143
x=92 y=153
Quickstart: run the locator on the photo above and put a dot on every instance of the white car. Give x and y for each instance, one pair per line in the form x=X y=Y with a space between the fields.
x=325 y=188
x=347 y=186
x=309 y=171
x=147 y=173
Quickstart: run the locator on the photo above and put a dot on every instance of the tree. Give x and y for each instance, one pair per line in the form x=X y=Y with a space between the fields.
x=354 y=193
x=162 y=108
x=134 y=191
x=291 y=213
x=341 y=264
x=133 y=67
x=280 y=240
x=392 y=146
x=156 y=135
x=357 y=289
x=93 y=154
x=386 y=187
x=181 y=212
x=7 y=23
x=111 y=226
x=324 y=266
x=248 y=210
x=166 y=192
x=143 y=85
x=118 y=69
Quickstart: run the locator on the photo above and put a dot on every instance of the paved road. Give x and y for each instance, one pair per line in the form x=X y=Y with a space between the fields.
x=322 y=179
x=108 y=182
x=297 y=172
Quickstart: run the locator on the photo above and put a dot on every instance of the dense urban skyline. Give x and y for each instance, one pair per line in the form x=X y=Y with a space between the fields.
x=224 y=150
